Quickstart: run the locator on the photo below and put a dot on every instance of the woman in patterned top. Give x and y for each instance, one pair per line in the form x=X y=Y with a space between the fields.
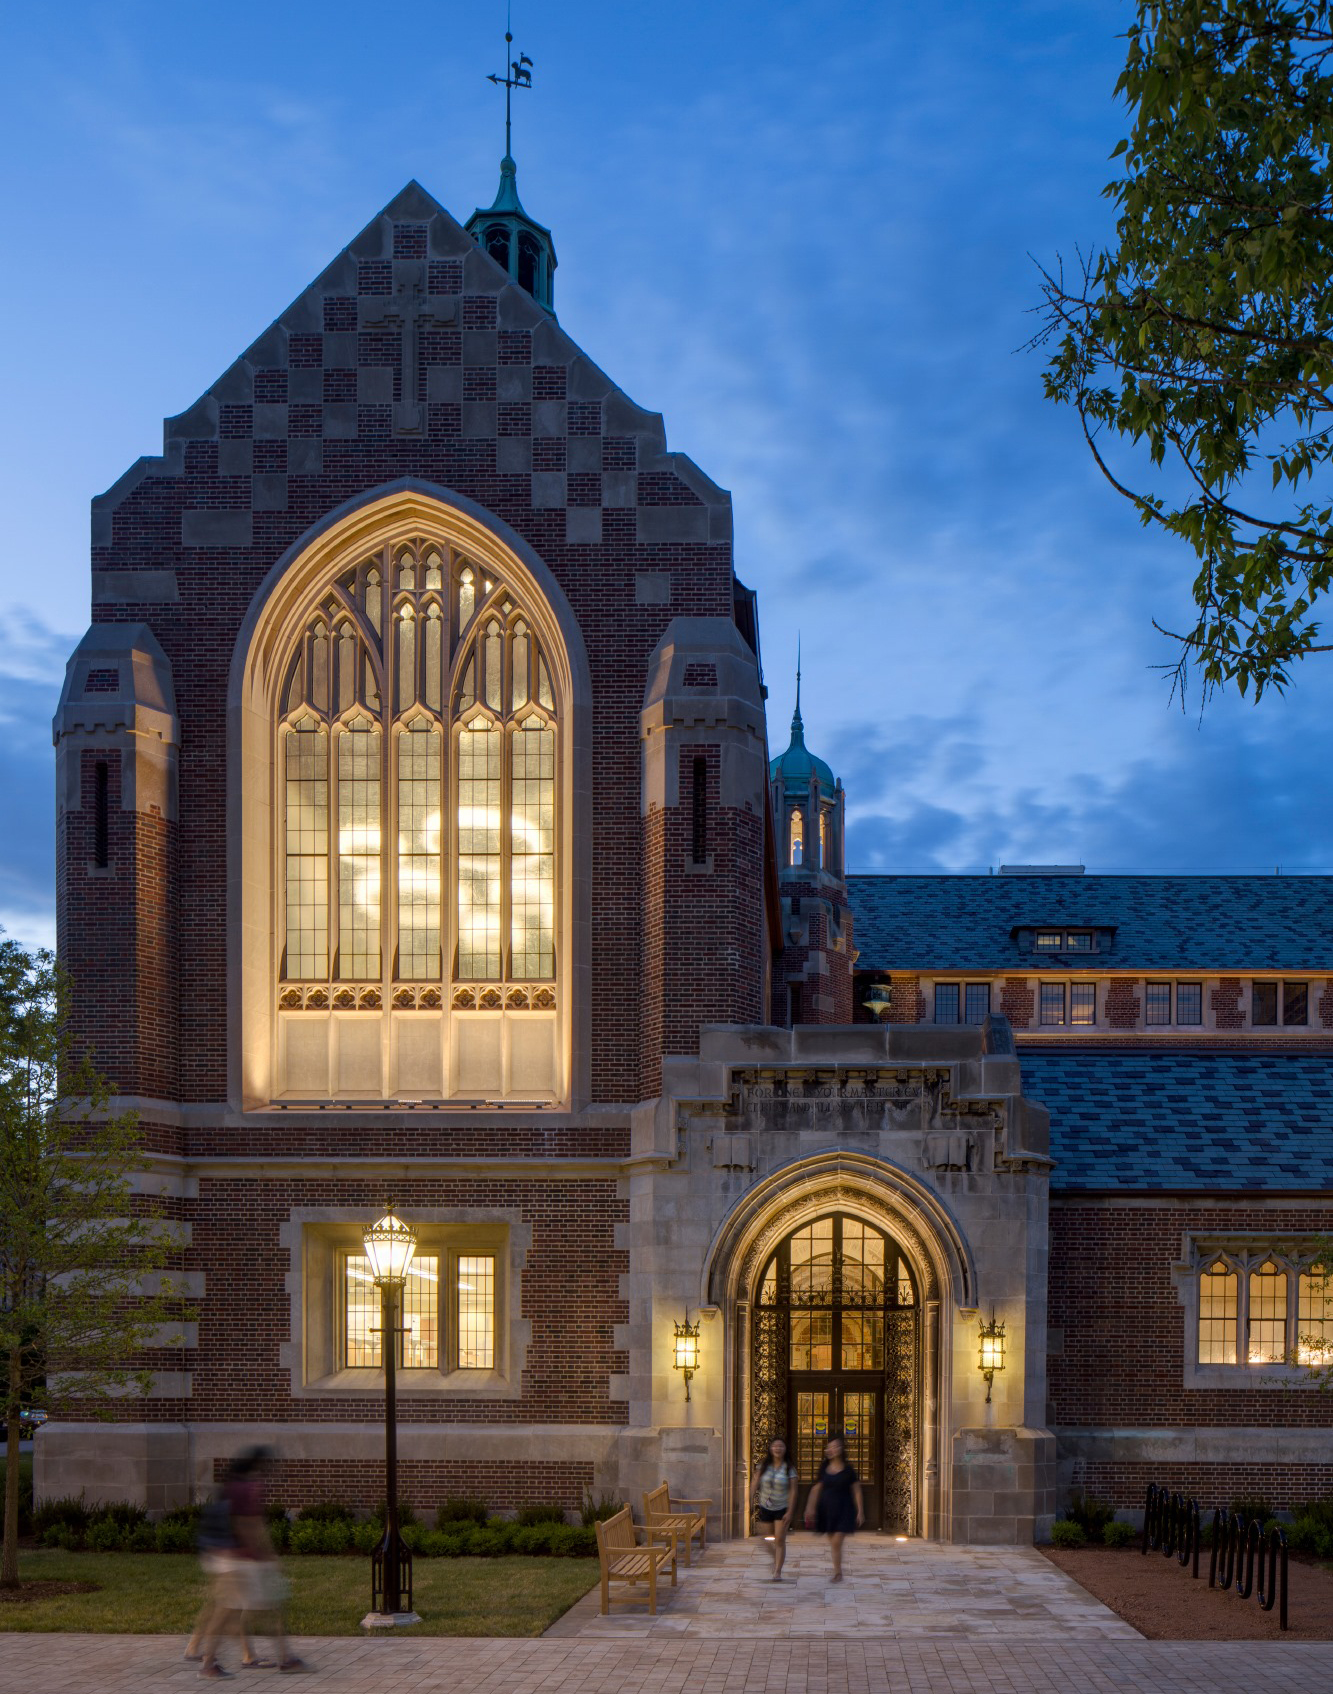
x=774 y=1497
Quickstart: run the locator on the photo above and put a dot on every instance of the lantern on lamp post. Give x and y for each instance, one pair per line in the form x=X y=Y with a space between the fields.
x=390 y=1244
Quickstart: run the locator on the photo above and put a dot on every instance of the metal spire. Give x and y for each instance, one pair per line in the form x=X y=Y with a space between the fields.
x=797 y=726
x=518 y=74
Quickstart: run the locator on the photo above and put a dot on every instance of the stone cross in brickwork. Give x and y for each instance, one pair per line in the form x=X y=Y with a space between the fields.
x=412 y=307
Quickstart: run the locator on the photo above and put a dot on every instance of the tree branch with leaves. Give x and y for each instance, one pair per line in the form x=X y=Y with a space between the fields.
x=1204 y=337
x=85 y=1260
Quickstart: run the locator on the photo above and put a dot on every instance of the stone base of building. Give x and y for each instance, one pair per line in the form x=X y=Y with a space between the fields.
x=1285 y=1467
x=160 y=1466
x=1003 y=1479
x=1003 y=1486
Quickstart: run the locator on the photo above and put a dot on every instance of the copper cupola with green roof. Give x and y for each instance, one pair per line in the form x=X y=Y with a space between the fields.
x=519 y=244
x=807 y=804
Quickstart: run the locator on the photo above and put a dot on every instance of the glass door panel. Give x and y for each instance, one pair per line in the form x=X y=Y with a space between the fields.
x=811 y=1425
x=858 y=1433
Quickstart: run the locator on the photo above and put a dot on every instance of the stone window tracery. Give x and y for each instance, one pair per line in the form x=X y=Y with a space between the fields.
x=1259 y=1307
x=418 y=757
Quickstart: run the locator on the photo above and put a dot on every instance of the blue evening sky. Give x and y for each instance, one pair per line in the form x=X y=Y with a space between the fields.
x=802 y=230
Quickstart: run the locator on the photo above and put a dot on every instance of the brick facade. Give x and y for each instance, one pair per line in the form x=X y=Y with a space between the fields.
x=312 y=417
x=1118 y=1359
x=1122 y=1003
x=1018 y=1001
x=1225 y=1001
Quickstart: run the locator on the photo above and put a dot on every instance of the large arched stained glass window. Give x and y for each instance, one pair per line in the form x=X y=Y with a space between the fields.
x=417 y=761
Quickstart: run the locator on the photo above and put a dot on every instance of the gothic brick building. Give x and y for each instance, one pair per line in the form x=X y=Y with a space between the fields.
x=418 y=837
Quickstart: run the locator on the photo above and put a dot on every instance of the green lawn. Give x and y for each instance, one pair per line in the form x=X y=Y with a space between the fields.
x=159 y=1594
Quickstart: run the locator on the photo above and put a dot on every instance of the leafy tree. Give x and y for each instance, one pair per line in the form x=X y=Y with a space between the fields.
x=1313 y=1351
x=1205 y=335
x=82 y=1289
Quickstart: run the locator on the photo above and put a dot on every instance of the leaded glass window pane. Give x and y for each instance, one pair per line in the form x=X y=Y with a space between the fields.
x=476 y=1312
x=946 y=1002
x=1083 y=1003
x=862 y=1263
x=1052 y=1003
x=419 y=1346
x=863 y=1341
x=977 y=1002
x=384 y=799
x=418 y=1311
x=306 y=760
x=1157 y=1003
x=419 y=826
x=1295 y=1003
x=479 y=857
x=359 y=851
x=1263 y=1003
x=1314 y=1318
x=812 y=1341
x=1268 y=1316
x=1189 y=1003
x=532 y=826
x=1219 y=1294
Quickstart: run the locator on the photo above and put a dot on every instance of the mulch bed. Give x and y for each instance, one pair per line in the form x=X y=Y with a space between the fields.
x=45 y=1591
x=1162 y=1601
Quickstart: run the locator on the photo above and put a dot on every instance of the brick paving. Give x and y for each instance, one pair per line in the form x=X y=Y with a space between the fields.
x=133 y=1664
x=913 y=1619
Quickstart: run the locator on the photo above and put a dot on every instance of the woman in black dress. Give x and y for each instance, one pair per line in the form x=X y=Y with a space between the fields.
x=836 y=1507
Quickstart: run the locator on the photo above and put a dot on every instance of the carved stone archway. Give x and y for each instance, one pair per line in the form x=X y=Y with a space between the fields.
x=899 y=1204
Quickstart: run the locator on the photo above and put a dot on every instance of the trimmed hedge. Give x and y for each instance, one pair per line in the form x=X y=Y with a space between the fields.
x=328 y=1528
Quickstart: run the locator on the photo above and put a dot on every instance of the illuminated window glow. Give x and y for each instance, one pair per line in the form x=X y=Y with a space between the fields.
x=419 y=758
x=1314 y=1319
x=476 y=1312
x=419 y=1314
x=1267 y=1342
x=1218 y=1305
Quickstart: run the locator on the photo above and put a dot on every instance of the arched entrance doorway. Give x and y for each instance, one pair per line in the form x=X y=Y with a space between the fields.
x=835 y=1350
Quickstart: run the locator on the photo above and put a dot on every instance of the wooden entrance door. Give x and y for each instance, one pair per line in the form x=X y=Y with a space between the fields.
x=849 y=1407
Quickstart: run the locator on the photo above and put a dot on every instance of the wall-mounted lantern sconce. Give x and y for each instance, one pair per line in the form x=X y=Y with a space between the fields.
x=992 y=1351
x=685 y=1356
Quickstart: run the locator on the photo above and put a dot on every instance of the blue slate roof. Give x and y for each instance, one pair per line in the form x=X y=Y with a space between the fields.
x=1161 y=923
x=1171 y=1121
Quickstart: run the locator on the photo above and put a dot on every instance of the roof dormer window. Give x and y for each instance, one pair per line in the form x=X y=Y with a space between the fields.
x=1064 y=940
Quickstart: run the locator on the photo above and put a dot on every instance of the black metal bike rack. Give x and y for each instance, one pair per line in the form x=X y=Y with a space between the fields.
x=1248 y=1561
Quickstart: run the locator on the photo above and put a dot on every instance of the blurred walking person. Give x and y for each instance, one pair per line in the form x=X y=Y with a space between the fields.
x=836 y=1506
x=774 y=1498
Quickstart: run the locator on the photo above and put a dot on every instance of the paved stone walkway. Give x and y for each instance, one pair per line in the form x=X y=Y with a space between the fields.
x=151 y=1664
x=910 y=1588
x=911 y=1618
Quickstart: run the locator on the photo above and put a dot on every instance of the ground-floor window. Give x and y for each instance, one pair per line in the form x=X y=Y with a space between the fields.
x=1265 y=1307
x=448 y=1298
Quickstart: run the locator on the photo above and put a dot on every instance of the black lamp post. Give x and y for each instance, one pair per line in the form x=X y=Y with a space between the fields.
x=390 y=1244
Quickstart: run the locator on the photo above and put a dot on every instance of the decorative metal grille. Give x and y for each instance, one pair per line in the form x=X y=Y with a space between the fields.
x=768 y=1396
x=865 y=1290
x=900 y=1401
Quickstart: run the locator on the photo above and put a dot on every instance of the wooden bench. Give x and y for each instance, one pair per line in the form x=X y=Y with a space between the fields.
x=684 y=1519
x=625 y=1558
